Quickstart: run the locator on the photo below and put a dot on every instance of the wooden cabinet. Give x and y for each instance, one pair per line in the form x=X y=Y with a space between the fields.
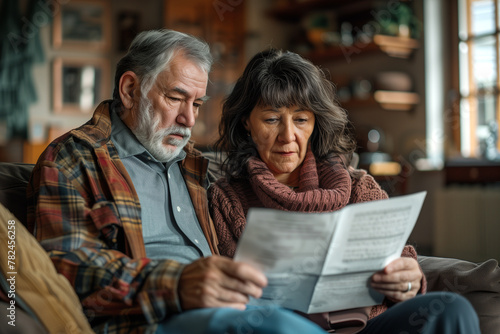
x=472 y=171
x=222 y=25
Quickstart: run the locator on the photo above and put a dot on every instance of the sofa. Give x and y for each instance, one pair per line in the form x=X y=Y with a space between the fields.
x=478 y=282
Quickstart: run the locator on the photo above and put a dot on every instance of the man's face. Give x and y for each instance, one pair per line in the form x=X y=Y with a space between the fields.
x=165 y=118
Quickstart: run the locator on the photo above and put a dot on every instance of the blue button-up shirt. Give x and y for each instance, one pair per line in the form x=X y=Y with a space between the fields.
x=169 y=224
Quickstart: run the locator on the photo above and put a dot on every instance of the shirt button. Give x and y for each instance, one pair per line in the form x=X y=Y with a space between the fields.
x=178 y=209
x=196 y=240
x=149 y=158
x=168 y=175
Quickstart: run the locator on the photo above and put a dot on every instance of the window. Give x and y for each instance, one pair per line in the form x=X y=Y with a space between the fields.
x=479 y=86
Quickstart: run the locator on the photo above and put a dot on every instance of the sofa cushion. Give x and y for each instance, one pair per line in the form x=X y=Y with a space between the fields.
x=14 y=179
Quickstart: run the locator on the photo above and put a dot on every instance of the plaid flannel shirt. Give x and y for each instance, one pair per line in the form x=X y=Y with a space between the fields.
x=85 y=212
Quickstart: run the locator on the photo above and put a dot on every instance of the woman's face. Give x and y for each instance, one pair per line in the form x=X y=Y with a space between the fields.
x=281 y=136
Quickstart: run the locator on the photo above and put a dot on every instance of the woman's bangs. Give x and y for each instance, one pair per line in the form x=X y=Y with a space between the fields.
x=279 y=94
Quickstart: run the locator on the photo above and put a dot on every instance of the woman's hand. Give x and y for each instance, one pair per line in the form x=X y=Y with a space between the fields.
x=399 y=280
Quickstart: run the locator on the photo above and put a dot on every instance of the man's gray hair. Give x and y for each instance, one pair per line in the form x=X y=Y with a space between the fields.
x=151 y=52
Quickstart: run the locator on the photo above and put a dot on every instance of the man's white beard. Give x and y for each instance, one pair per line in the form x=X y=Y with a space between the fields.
x=152 y=138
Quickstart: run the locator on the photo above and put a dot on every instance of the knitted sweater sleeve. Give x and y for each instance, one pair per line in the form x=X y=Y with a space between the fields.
x=228 y=216
x=365 y=188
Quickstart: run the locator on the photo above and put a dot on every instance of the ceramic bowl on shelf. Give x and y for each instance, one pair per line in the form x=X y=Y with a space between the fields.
x=393 y=81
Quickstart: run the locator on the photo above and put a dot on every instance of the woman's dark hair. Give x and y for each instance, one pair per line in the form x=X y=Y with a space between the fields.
x=283 y=79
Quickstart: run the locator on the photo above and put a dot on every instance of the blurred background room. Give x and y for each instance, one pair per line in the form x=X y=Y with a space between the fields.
x=419 y=79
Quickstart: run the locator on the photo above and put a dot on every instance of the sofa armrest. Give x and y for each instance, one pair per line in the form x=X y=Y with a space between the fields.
x=478 y=282
x=14 y=178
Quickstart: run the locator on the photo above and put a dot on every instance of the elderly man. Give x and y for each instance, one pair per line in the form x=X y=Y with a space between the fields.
x=120 y=205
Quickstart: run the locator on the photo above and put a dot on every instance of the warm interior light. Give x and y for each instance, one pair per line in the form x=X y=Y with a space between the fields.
x=385 y=168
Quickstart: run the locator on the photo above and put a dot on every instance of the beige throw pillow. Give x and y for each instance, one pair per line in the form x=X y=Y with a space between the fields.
x=48 y=294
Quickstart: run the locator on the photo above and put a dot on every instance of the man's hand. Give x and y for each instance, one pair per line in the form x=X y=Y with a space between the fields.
x=218 y=281
x=393 y=280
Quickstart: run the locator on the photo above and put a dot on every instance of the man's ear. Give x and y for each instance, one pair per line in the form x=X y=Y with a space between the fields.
x=129 y=89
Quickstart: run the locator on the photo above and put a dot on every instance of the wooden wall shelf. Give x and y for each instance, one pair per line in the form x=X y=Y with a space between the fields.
x=392 y=100
x=357 y=103
x=398 y=47
x=388 y=100
x=340 y=52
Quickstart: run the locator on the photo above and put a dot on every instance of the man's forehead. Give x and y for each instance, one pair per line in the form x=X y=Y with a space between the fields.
x=181 y=84
x=180 y=65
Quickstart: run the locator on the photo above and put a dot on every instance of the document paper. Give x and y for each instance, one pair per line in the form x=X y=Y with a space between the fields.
x=319 y=262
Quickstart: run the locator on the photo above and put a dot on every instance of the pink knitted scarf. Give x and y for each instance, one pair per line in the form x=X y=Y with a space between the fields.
x=321 y=188
x=332 y=194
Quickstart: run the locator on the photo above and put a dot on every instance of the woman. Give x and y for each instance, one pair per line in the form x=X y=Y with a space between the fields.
x=288 y=147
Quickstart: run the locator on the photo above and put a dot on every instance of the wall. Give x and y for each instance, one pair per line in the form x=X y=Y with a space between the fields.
x=263 y=32
x=41 y=112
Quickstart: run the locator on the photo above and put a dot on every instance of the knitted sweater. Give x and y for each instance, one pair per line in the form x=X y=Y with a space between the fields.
x=322 y=187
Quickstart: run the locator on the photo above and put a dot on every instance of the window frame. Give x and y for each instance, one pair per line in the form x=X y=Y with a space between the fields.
x=466 y=106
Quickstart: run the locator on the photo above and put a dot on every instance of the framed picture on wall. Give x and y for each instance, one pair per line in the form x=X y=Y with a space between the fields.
x=82 y=24
x=79 y=85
